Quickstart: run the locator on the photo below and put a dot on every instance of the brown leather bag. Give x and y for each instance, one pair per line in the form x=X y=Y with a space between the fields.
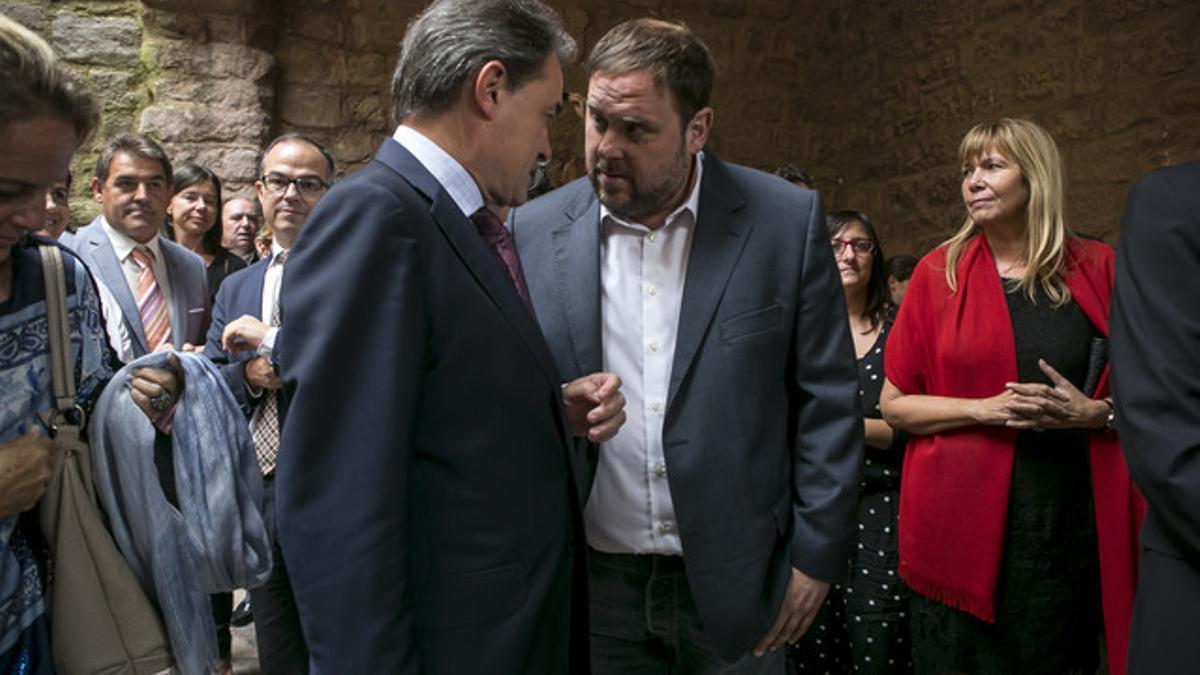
x=101 y=622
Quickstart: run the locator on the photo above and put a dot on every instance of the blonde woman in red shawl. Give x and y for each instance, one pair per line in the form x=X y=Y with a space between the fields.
x=1017 y=516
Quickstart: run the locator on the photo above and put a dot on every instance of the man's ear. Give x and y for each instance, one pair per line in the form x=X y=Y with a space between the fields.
x=697 y=130
x=97 y=192
x=490 y=82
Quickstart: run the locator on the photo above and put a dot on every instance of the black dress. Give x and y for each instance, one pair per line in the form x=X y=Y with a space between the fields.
x=863 y=625
x=1048 y=617
x=224 y=263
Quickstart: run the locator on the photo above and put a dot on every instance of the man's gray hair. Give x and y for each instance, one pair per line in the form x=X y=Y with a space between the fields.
x=452 y=39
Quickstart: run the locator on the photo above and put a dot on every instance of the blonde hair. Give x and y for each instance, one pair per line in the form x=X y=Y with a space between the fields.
x=35 y=83
x=1046 y=233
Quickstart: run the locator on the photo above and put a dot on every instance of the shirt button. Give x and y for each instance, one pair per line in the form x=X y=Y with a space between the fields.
x=655 y=406
x=652 y=290
x=653 y=345
x=664 y=526
x=660 y=469
x=653 y=237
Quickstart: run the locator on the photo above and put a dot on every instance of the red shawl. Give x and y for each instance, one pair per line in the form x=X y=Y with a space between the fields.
x=954 y=494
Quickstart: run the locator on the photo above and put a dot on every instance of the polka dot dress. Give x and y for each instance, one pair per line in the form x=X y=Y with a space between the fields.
x=863 y=626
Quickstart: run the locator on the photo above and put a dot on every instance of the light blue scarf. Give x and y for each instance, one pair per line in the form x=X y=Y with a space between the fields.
x=215 y=541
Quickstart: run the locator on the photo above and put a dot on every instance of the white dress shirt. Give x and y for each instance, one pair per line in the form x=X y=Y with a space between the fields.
x=272 y=282
x=123 y=246
x=642 y=275
x=448 y=172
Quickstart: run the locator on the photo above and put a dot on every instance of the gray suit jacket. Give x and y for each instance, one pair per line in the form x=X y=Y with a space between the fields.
x=185 y=272
x=762 y=434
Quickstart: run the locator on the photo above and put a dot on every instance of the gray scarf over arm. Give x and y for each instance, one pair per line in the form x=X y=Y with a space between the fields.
x=216 y=540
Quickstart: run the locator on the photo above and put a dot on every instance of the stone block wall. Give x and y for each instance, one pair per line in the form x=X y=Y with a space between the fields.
x=335 y=61
x=871 y=97
x=1116 y=82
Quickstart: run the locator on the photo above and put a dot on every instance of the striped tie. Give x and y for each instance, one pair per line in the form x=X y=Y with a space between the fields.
x=151 y=305
x=264 y=425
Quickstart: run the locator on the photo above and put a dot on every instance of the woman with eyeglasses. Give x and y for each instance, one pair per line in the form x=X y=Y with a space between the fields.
x=1018 y=519
x=863 y=627
x=194 y=213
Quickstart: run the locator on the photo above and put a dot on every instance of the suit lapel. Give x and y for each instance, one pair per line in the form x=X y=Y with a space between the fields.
x=179 y=316
x=717 y=244
x=108 y=268
x=576 y=248
x=471 y=249
x=254 y=289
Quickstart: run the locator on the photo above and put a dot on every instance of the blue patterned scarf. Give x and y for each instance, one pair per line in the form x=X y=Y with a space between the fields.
x=216 y=540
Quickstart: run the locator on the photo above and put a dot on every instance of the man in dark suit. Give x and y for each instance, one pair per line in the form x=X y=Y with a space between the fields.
x=155 y=291
x=1156 y=376
x=427 y=508
x=294 y=174
x=722 y=509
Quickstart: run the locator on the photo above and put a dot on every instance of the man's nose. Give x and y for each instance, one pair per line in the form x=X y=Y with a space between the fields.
x=609 y=145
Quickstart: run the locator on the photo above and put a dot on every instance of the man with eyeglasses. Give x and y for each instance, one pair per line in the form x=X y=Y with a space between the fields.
x=295 y=173
x=154 y=291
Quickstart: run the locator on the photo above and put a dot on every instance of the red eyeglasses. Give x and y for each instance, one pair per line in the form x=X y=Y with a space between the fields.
x=862 y=246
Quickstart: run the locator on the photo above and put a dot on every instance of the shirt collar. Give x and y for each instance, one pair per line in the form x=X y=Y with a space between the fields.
x=449 y=173
x=123 y=245
x=276 y=252
x=691 y=204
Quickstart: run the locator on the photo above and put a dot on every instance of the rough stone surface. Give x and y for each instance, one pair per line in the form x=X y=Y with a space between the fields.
x=181 y=123
x=112 y=41
x=237 y=165
x=311 y=107
x=873 y=103
x=212 y=61
x=31 y=16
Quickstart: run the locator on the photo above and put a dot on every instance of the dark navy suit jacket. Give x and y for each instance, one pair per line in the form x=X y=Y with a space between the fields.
x=762 y=435
x=1155 y=332
x=240 y=293
x=426 y=506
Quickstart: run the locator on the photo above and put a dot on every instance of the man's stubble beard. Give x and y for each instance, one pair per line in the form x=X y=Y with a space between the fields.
x=643 y=203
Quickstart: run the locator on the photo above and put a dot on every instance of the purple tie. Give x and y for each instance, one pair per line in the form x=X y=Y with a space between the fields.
x=499 y=240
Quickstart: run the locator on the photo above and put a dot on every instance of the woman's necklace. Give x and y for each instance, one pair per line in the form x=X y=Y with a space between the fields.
x=1007 y=271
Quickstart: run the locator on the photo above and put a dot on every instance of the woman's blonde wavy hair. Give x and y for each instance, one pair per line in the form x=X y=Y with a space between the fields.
x=1046 y=233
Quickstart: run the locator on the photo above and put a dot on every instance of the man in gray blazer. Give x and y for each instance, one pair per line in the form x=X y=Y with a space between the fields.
x=154 y=291
x=722 y=510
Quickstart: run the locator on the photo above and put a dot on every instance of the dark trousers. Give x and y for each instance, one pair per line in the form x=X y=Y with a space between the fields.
x=222 y=611
x=644 y=621
x=1163 y=637
x=222 y=603
x=281 y=646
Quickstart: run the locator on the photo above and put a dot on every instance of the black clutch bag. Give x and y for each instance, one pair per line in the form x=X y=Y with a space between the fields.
x=1097 y=359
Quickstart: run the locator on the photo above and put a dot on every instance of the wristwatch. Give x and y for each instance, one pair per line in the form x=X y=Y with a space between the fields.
x=1111 y=419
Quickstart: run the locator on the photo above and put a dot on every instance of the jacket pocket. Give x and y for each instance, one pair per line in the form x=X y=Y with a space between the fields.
x=749 y=324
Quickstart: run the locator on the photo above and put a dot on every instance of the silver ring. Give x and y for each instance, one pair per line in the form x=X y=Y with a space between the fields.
x=161 y=402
